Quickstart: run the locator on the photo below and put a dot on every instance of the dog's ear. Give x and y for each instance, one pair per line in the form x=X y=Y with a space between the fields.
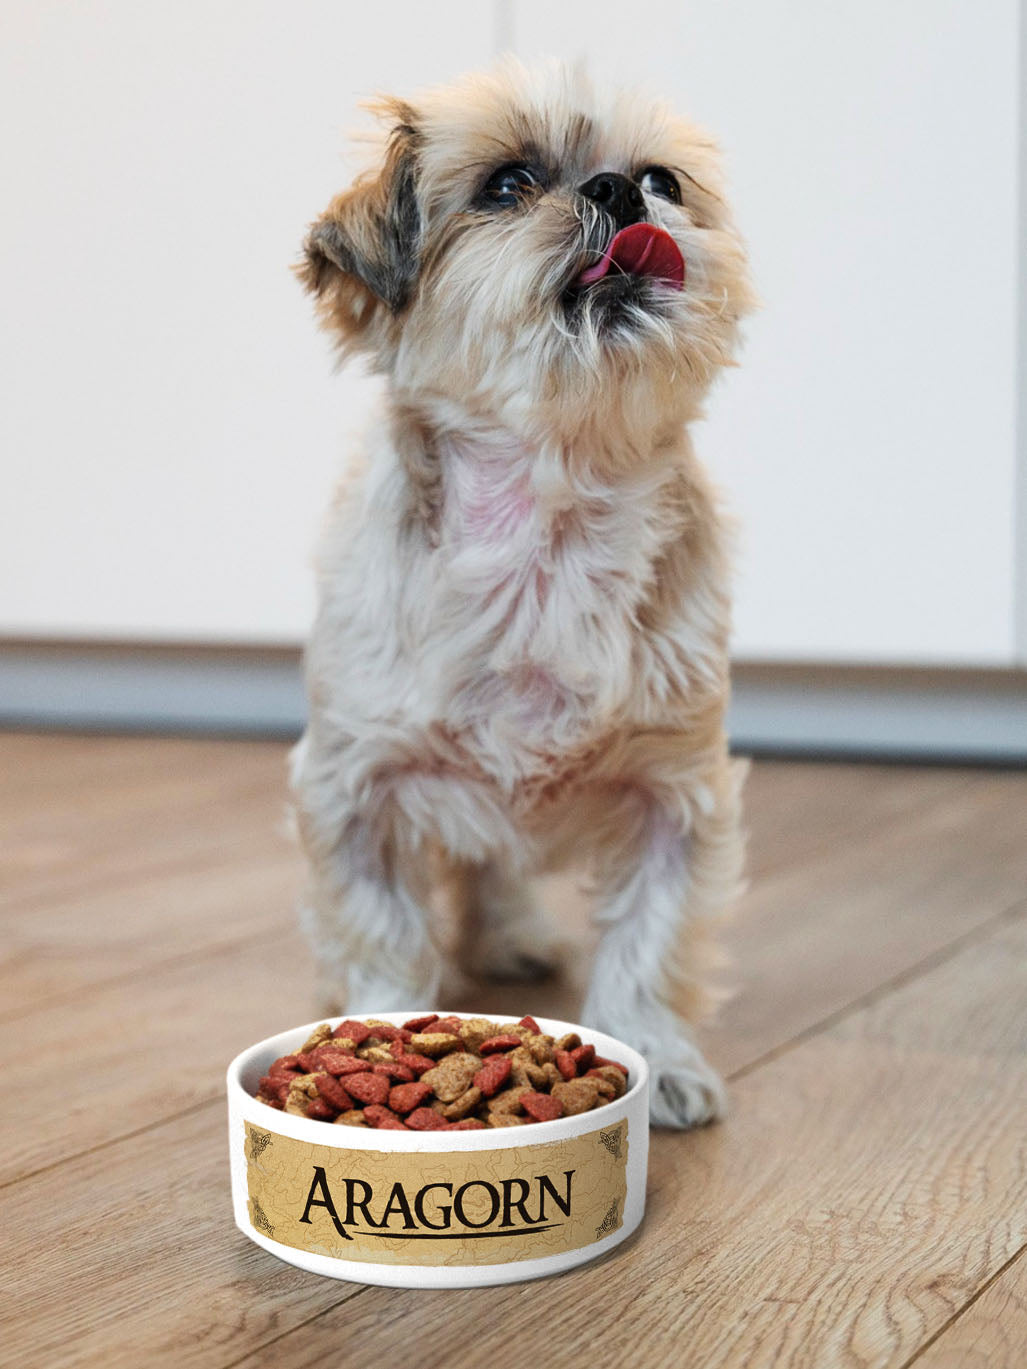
x=361 y=256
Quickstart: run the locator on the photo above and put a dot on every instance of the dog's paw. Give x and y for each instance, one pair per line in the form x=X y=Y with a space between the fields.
x=685 y=1093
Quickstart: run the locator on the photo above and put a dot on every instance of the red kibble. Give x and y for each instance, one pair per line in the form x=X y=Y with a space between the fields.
x=397 y=1072
x=583 y=1057
x=405 y=1097
x=531 y=1025
x=418 y=1024
x=384 y=1032
x=276 y=1086
x=418 y=1063
x=382 y=1119
x=426 y=1119
x=285 y=1062
x=338 y=1062
x=451 y=1025
x=541 y=1107
x=493 y=1075
x=566 y=1064
x=320 y=1110
x=506 y=1042
x=368 y=1088
x=356 y=1031
x=601 y=1060
x=332 y=1092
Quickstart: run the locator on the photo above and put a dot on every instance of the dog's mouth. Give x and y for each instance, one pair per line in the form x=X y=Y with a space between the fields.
x=641 y=249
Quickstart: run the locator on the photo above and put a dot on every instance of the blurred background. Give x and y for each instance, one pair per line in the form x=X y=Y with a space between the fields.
x=171 y=424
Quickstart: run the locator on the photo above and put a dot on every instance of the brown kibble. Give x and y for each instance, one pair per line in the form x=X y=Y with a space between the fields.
x=434 y=1044
x=319 y=1034
x=353 y=1118
x=460 y=1073
x=541 y=1048
x=576 y=1095
x=461 y=1107
x=613 y=1076
x=452 y=1075
x=475 y=1030
x=507 y=1101
x=376 y=1055
x=301 y=1090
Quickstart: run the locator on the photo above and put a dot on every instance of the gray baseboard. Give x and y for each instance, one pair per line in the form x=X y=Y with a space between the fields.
x=788 y=710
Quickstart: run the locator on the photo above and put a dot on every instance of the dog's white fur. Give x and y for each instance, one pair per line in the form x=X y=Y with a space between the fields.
x=520 y=657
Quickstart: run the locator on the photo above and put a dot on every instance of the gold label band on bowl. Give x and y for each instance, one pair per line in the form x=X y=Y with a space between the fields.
x=455 y=1207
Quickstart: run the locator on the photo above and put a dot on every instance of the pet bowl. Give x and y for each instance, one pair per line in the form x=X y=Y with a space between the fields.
x=437 y=1209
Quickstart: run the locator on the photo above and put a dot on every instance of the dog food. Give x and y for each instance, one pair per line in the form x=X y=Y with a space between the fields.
x=440 y=1074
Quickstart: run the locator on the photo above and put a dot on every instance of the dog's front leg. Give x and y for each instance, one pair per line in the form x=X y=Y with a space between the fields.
x=365 y=910
x=366 y=922
x=661 y=879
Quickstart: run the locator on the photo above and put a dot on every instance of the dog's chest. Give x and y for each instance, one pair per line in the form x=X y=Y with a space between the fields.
x=538 y=582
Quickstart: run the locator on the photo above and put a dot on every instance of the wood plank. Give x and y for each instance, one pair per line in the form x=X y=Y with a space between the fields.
x=794 y=817
x=83 y=941
x=174 y=808
x=204 y=1005
x=142 y=1050
x=867 y=1184
x=171 y=803
x=991 y=1333
x=130 y=1257
x=817 y=935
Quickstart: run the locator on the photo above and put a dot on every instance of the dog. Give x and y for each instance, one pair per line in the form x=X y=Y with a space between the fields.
x=520 y=655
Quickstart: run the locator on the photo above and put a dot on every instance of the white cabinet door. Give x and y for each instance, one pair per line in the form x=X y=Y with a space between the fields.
x=170 y=427
x=868 y=441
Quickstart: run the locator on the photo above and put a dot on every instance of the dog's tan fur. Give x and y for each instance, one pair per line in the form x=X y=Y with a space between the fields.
x=520 y=656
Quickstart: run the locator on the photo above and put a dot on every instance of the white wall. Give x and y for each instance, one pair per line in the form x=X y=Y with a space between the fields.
x=169 y=418
x=869 y=440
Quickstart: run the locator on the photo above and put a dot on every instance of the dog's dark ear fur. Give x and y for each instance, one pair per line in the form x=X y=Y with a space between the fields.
x=361 y=256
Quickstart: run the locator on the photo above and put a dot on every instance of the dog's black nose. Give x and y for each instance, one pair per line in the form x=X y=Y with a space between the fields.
x=619 y=196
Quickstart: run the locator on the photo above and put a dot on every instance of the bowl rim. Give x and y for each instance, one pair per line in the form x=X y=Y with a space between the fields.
x=256 y=1058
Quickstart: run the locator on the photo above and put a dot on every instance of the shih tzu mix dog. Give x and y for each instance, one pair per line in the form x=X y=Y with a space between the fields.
x=520 y=654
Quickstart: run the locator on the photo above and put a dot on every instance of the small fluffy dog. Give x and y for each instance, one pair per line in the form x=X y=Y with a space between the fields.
x=520 y=655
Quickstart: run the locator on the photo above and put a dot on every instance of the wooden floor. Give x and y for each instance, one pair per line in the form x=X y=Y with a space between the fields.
x=865 y=1204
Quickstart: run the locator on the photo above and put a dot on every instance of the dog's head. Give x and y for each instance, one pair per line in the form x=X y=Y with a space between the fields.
x=526 y=244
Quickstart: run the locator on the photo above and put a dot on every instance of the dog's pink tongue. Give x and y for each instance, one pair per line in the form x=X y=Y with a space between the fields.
x=641 y=249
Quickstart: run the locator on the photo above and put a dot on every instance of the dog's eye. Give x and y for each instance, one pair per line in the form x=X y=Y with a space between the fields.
x=657 y=180
x=509 y=186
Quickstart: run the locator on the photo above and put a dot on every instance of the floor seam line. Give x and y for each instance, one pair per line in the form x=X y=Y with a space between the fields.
x=917 y=971
x=316 y=1316
x=951 y=1321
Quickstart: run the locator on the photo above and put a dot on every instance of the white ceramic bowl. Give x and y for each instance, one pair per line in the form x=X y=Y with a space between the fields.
x=437 y=1209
